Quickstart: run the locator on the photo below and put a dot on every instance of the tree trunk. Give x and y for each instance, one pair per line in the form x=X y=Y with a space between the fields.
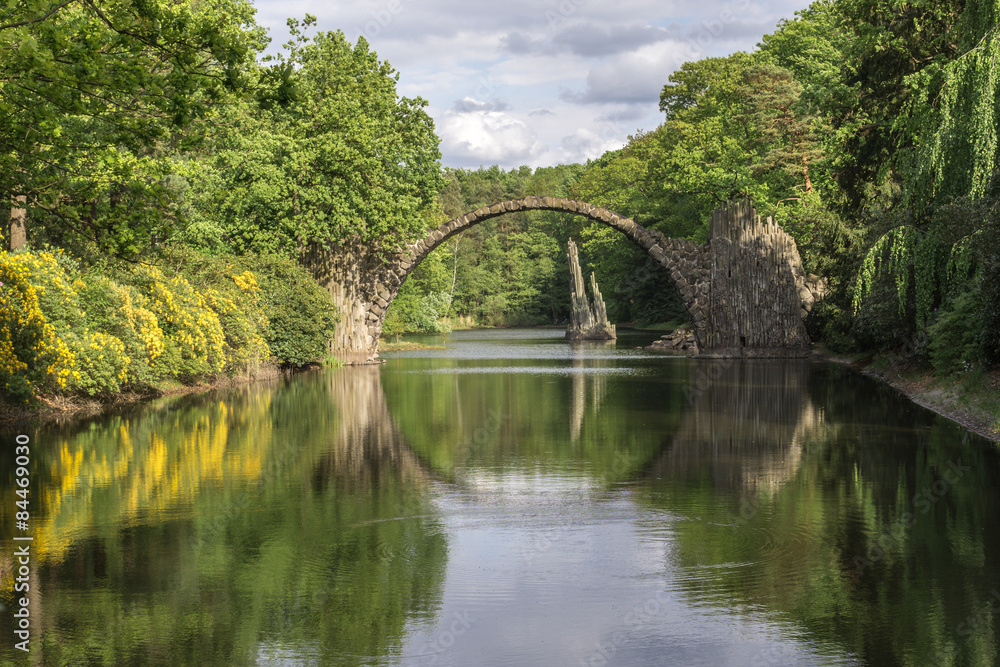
x=805 y=173
x=19 y=225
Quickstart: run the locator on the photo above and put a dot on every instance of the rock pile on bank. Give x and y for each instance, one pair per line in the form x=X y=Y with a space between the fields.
x=678 y=341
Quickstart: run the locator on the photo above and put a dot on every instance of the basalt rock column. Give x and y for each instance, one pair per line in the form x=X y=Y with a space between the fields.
x=589 y=321
x=360 y=282
x=759 y=292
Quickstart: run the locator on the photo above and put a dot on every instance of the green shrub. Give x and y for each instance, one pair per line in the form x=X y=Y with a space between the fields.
x=831 y=323
x=393 y=324
x=102 y=366
x=300 y=313
x=278 y=310
x=233 y=293
x=245 y=326
x=879 y=324
x=955 y=342
x=989 y=286
x=121 y=311
x=99 y=362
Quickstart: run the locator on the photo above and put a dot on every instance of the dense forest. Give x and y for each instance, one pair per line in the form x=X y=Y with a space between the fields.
x=868 y=130
x=164 y=177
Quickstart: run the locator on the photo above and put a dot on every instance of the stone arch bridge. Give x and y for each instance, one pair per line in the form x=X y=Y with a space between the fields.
x=745 y=290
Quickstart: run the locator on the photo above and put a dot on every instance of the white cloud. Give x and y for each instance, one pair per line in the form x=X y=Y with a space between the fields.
x=595 y=68
x=469 y=105
x=635 y=77
x=585 y=145
x=482 y=137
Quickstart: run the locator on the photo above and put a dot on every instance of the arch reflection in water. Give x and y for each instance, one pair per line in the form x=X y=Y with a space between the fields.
x=744 y=425
x=232 y=529
x=801 y=488
x=353 y=516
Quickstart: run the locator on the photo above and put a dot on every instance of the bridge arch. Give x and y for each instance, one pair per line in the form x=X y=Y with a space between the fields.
x=364 y=280
x=682 y=260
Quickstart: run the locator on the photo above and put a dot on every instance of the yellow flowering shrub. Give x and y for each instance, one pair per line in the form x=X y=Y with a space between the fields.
x=68 y=330
x=102 y=366
x=244 y=325
x=121 y=311
x=34 y=358
x=194 y=341
x=247 y=282
x=53 y=274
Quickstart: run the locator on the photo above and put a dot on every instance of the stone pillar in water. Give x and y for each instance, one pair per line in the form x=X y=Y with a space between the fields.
x=589 y=321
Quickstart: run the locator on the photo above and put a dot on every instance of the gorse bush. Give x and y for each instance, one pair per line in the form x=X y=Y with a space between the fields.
x=32 y=356
x=194 y=343
x=121 y=311
x=244 y=323
x=274 y=296
x=64 y=330
x=59 y=352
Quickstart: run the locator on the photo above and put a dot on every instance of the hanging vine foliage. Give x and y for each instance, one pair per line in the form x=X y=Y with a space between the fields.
x=898 y=243
x=942 y=257
x=954 y=164
x=957 y=155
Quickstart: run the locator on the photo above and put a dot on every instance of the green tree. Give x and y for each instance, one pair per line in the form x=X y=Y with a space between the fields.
x=788 y=139
x=635 y=288
x=88 y=91
x=327 y=152
x=509 y=270
x=936 y=251
x=892 y=65
x=957 y=155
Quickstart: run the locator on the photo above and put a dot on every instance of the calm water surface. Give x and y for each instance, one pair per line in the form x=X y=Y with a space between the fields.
x=514 y=500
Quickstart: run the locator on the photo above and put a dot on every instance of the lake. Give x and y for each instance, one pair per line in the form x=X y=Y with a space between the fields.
x=512 y=499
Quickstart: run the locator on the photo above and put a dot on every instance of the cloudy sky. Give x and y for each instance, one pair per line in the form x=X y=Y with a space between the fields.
x=540 y=82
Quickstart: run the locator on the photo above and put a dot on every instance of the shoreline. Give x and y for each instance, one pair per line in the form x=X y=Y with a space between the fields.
x=918 y=385
x=68 y=408
x=404 y=346
x=924 y=389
